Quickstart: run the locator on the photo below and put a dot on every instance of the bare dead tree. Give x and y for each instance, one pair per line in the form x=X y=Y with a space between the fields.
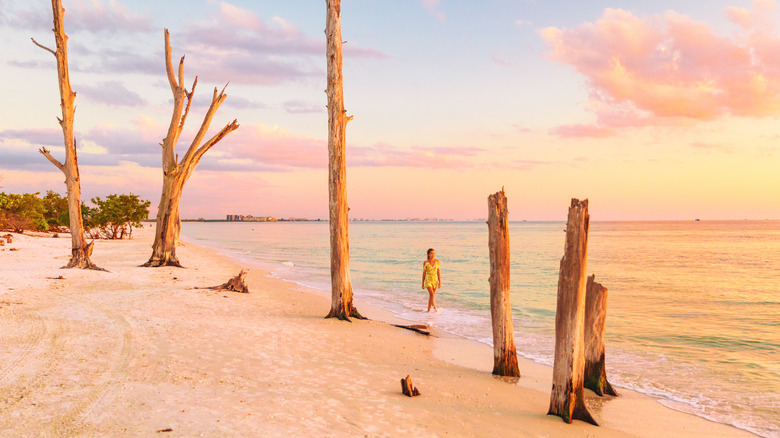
x=504 y=350
x=341 y=296
x=175 y=172
x=80 y=249
x=566 y=398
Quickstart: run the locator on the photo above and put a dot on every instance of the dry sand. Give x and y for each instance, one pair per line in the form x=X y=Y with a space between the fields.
x=138 y=351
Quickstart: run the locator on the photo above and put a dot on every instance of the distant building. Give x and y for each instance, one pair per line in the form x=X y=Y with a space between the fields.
x=249 y=218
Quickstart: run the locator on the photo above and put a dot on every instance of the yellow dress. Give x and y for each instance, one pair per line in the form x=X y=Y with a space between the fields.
x=431 y=274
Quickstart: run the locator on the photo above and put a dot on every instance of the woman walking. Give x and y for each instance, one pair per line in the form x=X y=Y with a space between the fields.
x=431 y=278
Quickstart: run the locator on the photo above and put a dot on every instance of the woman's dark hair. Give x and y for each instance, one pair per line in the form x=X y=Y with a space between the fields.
x=429 y=251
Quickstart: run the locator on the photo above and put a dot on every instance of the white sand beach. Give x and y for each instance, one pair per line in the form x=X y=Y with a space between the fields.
x=140 y=352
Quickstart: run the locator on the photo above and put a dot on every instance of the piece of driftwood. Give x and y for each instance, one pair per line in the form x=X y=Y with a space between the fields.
x=419 y=328
x=235 y=284
x=595 y=325
x=407 y=388
x=566 y=397
x=504 y=350
x=9 y=238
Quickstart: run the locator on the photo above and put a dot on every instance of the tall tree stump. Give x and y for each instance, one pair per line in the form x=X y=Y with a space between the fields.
x=341 y=284
x=504 y=350
x=566 y=398
x=595 y=324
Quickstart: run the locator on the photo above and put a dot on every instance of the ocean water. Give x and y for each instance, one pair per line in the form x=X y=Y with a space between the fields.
x=693 y=313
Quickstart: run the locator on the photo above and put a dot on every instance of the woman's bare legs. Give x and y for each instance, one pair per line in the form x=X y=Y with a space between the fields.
x=431 y=301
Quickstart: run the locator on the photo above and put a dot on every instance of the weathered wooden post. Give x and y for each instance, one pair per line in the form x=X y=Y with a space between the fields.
x=595 y=323
x=504 y=351
x=566 y=398
x=341 y=285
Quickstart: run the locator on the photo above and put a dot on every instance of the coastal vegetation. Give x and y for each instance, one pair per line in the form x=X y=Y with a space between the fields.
x=111 y=218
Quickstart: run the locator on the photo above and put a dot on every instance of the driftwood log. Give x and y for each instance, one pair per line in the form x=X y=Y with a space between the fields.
x=341 y=306
x=595 y=324
x=235 y=284
x=407 y=388
x=566 y=397
x=504 y=350
x=419 y=328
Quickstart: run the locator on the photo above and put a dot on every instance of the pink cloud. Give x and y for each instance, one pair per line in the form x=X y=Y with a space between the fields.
x=384 y=155
x=650 y=71
x=111 y=18
x=272 y=148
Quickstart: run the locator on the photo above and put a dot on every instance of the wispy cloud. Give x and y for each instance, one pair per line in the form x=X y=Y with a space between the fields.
x=711 y=147
x=432 y=6
x=254 y=147
x=241 y=45
x=94 y=16
x=580 y=130
x=112 y=93
x=652 y=70
x=231 y=44
x=303 y=107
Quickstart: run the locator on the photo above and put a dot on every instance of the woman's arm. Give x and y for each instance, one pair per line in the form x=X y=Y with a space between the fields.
x=423 y=276
x=438 y=273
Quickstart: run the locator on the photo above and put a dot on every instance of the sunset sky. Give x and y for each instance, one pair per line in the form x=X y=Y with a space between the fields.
x=652 y=110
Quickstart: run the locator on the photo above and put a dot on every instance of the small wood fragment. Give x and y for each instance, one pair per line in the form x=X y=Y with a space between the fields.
x=407 y=388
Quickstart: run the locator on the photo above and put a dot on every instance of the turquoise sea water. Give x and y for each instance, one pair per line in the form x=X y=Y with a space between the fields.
x=693 y=312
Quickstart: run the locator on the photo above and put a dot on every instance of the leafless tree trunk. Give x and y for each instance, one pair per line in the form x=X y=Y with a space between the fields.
x=566 y=398
x=504 y=350
x=175 y=172
x=80 y=249
x=341 y=298
x=595 y=325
